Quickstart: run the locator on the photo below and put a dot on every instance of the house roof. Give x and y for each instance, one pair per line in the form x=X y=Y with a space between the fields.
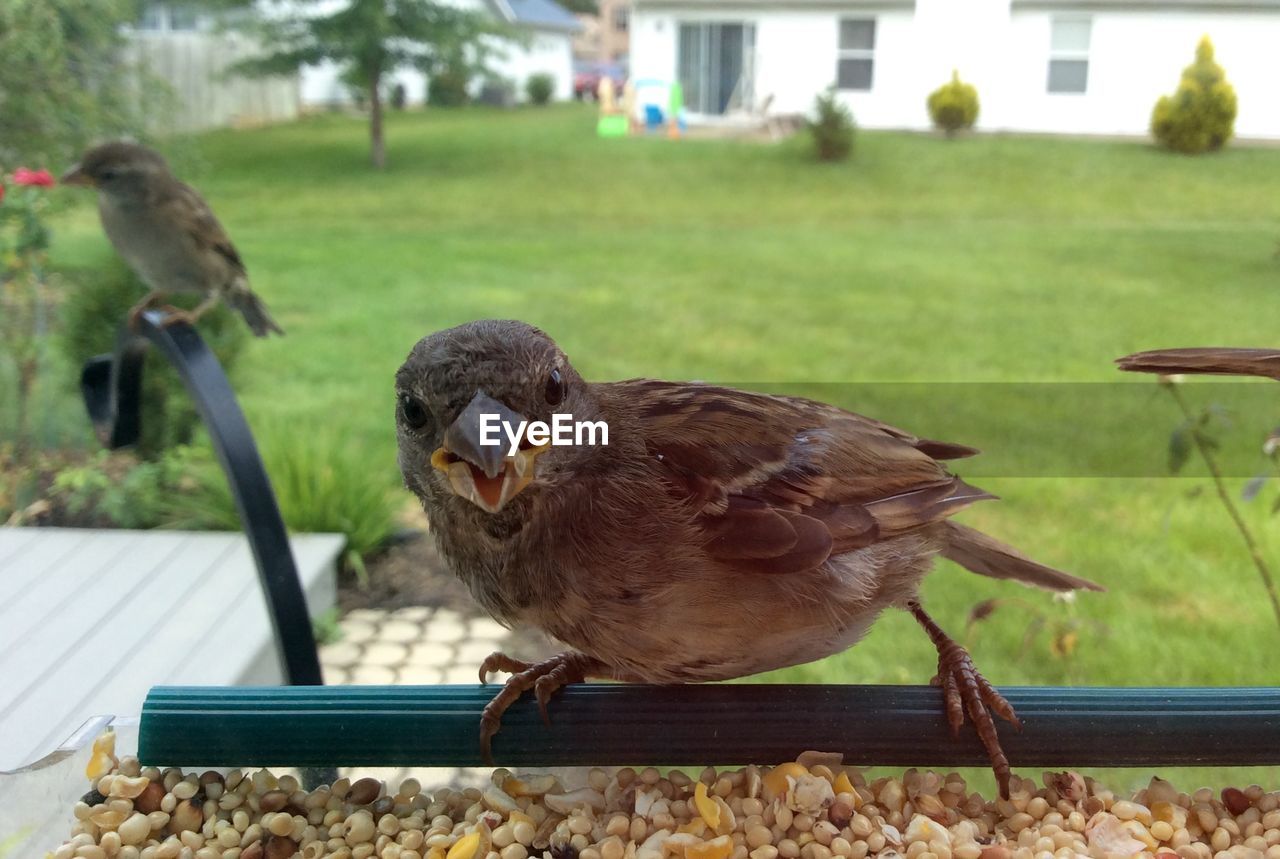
x=542 y=14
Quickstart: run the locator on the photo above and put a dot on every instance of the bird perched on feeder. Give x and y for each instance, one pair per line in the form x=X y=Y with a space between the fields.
x=719 y=533
x=1221 y=361
x=167 y=234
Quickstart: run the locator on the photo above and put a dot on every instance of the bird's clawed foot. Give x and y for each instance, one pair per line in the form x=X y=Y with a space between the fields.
x=544 y=678
x=964 y=690
x=148 y=302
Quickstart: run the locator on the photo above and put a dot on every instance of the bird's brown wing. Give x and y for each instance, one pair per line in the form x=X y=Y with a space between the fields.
x=183 y=206
x=782 y=483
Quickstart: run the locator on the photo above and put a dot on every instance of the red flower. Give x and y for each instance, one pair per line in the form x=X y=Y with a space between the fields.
x=1 y=193
x=23 y=176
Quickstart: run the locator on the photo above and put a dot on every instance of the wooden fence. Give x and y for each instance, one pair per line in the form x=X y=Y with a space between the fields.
x=204 y=94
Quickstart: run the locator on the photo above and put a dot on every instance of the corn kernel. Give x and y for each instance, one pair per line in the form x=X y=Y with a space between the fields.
x=842 y=783
x=716 y=848
x=465 y=847
x=697 y=826
x=776 y=780
x=706 y=807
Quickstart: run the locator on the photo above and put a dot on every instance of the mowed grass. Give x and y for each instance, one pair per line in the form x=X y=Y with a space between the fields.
x=988 y=259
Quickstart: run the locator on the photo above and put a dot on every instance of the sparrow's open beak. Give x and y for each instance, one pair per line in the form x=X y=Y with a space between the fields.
x=76 y=176
x=483 y=473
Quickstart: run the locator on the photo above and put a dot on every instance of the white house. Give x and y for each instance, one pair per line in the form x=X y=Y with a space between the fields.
x=1062 y=66
x=548 y=30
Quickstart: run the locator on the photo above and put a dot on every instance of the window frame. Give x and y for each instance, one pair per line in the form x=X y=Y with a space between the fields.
x=867 y=54
x=1069 y=55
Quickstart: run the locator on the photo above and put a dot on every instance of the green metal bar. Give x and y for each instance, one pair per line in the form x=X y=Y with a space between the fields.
x=605 y=724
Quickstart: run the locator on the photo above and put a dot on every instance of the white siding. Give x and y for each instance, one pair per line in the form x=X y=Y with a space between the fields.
x=1135 y=56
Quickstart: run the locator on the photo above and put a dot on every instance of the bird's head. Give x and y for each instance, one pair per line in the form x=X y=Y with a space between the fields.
x=461 y=394
x=120 y=168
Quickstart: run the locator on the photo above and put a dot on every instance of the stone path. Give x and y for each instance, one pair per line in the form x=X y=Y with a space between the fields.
x=411 y=646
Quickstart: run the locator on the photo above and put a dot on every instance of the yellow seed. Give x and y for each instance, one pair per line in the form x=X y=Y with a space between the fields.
x=465 y=847
x=716 y=848
x=842 y=783
x=706 y=806
x=697 y=826
x=435 y=853
x=517 y=816
x=776 y=780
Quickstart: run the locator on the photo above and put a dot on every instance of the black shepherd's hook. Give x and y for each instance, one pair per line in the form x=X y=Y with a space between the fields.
x=112 y=388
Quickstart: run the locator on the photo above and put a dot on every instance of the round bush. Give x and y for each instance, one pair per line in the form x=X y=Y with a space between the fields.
x=1201 y=115
x=448 y=87
x=540 y=88
x=954 y=105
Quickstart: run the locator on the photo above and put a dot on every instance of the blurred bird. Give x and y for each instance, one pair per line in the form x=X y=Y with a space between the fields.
x=166 y=233
x=719 y=533
x=1222 y=361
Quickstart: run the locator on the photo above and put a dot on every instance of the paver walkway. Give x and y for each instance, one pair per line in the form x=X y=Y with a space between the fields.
x=412 y=646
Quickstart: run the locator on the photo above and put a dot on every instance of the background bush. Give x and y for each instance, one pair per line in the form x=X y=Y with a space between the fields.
x=1200 y=116
x=323 y=482
x=540 y=88
x=832 y=128
x=449 y=86
x=96 y=306
x=954 y=105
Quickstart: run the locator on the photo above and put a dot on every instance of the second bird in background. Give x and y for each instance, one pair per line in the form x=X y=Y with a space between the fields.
x=167 y=233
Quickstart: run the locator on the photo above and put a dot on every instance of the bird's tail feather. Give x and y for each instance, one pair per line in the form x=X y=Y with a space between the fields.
x=254 y=312
x=1216 y=360
x=987 y=556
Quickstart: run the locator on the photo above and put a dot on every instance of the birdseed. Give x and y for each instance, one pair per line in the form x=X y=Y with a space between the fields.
x=799 y=810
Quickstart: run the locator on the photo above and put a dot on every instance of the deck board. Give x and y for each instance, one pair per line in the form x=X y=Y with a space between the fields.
x=90 y=620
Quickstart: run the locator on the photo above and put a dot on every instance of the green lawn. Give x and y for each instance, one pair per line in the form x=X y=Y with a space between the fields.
x=988 y=259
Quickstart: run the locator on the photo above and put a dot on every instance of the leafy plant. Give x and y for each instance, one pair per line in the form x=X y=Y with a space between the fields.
x=322 y=481
x=92 y=315
x=26 y=298
x=832 y=127
x=540 y=88
x=1196 y=432
x=326 y=628
x=954 y=105
x=117 y=490
x=1200 y=116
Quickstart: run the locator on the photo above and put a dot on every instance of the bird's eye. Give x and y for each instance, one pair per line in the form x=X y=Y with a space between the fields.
x=413 y=412
x=106 y=175
x=555 y=388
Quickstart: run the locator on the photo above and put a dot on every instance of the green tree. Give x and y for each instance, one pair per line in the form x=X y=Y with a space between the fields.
x=369 y=39
x=1201 y=115
x=64 y=79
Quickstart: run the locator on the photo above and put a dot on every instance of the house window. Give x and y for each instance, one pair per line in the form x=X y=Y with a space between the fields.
x=1069 y=54
x=856 y=57
x=621 y=19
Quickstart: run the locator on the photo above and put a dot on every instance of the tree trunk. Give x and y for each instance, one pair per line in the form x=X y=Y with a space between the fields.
x=377 y=148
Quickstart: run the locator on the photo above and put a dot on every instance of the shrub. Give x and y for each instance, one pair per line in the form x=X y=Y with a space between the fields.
x=322 y=480
x=449 y=86
x=97 y=303
x=832 y=128
x=399 y=97
x=954 y=105
x=540 y=88
x=1200 y=116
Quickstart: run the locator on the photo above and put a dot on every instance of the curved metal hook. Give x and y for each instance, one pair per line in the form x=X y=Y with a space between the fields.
x=112 y=389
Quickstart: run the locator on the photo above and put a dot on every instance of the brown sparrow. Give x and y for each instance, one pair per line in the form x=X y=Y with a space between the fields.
x=166 y=233
x=1222 y=361
x=719 y=533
